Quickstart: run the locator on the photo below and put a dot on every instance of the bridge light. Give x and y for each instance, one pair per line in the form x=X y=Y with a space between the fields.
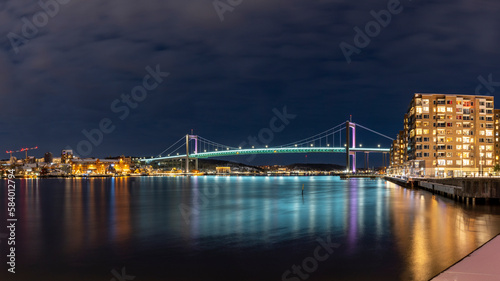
x=267 y=146
x=312 y=144
x=227 y=148
x=327 y=144
x=240 y=147
x=216 y=149
x=169 y=155
x=177 y=153
x=360 y=145
x=253 y=146
x=379 y=145
x=295 y=145
x=205 y=150
x=345 y=145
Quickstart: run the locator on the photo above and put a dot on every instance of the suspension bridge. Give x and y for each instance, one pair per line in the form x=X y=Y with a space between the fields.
x=194 y=147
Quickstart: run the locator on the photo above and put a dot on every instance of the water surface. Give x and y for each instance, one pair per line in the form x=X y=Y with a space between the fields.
x=237 y=228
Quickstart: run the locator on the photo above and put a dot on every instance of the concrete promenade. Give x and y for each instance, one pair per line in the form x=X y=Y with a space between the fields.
x=482 y=264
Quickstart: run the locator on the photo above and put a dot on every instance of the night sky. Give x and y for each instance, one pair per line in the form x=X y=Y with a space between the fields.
x=226 y=76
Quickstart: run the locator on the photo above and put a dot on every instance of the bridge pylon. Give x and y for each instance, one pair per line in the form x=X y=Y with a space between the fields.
x=188 y=138
x=350 y=125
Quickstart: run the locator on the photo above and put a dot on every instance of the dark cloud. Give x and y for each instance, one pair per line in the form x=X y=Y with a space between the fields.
x=226 y=77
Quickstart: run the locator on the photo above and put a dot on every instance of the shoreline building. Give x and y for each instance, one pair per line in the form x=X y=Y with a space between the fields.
x=447 y=135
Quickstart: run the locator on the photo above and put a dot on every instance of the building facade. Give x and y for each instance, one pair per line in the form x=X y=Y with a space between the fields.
x=449 y=135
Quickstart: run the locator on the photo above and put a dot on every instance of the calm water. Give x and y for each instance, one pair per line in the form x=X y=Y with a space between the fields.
x=237 y=228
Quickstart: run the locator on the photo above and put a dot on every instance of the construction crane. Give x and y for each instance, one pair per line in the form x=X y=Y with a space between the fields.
x=21 y=150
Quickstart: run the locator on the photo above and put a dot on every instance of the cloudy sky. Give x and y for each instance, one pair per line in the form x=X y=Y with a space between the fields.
x=61 y=70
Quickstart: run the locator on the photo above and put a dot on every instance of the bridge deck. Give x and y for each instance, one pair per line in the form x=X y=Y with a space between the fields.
x=234 y=152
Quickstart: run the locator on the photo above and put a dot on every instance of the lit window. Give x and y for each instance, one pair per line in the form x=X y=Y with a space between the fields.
x=459 y=147
x=449 y=109
x=459 y=162
x=489 y=133
x=466 y=162
x=441 y=109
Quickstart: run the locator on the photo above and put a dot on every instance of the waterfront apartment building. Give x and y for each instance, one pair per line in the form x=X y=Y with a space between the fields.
x=497 y=137
x=448 y=135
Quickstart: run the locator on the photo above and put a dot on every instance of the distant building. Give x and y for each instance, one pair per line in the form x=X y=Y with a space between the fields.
x=223 y=170
x=66 y=156
x=48 y=157
x=100 y=166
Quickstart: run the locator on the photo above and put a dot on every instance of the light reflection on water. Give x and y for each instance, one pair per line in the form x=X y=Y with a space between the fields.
x=385 y=232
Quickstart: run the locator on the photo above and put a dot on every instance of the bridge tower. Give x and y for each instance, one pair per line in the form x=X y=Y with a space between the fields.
x=188 y=138
x=350 y=125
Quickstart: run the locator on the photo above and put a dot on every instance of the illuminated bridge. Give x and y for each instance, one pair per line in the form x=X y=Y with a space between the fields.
x=320 y=143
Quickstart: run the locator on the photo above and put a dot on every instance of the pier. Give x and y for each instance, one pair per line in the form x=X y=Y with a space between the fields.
x=468 y=190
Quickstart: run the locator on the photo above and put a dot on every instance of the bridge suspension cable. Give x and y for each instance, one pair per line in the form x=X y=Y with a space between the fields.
x=159 y=155
x=319 y=136
x=358 y=125
x=215 y=144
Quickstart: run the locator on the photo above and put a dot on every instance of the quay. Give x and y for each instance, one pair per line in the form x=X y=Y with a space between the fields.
x=369 y=176
x=467 y=190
